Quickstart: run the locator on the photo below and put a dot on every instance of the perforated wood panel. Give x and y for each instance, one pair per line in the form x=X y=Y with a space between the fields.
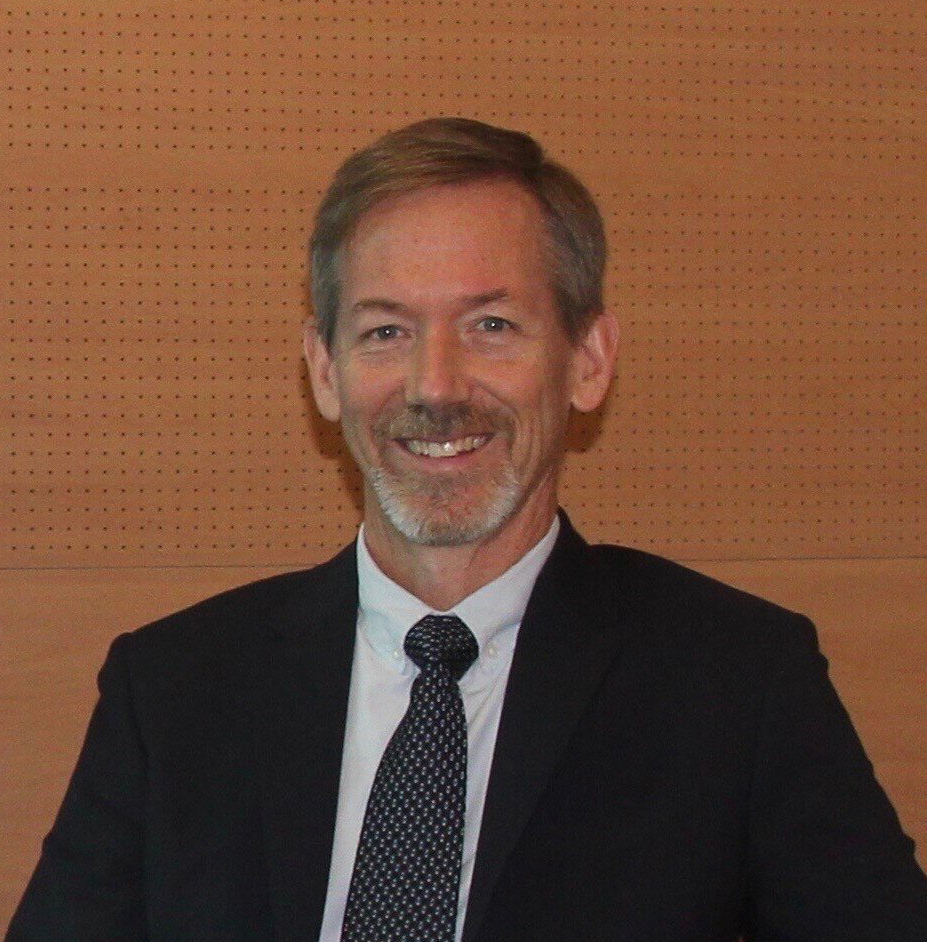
x=762 y=168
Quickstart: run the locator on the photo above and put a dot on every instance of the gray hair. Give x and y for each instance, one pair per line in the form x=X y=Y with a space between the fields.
x=441 y=151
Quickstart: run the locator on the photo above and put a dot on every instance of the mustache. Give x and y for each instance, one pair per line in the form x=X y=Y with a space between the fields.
x=454 y=420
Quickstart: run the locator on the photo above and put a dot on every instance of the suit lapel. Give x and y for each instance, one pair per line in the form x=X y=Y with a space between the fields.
x=301 y=693
x=561 y=655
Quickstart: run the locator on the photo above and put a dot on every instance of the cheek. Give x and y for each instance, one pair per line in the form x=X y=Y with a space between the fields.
x=368 y=403
x=541 y=415
x=362 y=392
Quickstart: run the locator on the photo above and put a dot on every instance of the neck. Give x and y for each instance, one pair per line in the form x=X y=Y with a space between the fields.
x=442 y=576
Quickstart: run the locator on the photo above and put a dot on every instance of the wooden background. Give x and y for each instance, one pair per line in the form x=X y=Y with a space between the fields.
x=762 y=169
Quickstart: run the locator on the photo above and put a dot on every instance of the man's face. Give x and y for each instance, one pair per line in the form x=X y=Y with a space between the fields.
x=450 y=370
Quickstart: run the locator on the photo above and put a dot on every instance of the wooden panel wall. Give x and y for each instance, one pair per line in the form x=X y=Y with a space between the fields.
x=762 y=168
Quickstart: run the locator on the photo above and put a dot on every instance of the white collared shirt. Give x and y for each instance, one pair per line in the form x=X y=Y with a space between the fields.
x=381 y=678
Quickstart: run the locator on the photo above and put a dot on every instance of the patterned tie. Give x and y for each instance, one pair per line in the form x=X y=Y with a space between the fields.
x=406 y=878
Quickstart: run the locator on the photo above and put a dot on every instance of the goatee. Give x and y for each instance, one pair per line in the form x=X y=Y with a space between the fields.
x=445 y=509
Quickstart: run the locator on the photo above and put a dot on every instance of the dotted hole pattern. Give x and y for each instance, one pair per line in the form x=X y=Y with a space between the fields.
x=761 y=168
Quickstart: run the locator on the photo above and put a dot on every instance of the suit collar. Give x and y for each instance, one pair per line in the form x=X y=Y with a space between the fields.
x=321 y=593
x=563 y=650
x=300 y=695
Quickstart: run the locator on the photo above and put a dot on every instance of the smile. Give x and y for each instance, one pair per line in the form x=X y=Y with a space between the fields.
x=449 y=449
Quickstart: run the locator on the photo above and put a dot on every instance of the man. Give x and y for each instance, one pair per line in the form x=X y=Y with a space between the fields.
x=470 y=725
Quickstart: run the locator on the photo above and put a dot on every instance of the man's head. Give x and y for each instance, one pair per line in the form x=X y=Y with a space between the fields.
x=458 y=150
x=448 y=352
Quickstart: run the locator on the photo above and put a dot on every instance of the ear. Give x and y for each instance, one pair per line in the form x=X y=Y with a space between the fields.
x=322 y=372
x=594 y=357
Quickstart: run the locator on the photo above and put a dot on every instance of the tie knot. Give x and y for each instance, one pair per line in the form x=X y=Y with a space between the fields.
x=442 y=639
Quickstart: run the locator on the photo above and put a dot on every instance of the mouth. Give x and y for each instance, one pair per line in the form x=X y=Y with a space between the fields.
x=444 y=449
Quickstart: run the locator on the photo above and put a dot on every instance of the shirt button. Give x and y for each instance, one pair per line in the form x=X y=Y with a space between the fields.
x=491 y=650
x=397 y=654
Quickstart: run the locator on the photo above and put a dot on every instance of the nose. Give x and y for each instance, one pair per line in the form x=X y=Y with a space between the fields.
x=437 y=371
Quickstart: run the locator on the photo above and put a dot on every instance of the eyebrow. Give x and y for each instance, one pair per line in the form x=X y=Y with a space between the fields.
x=468 y=302
x=376 y=304
x=473 y=301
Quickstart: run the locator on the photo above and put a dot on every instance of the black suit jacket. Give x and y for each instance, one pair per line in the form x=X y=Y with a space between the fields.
x=672 y=765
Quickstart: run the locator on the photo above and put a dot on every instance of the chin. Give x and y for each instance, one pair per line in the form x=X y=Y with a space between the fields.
x=429 y=515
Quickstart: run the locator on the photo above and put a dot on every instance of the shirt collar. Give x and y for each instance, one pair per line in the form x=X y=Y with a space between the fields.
x=388 y=611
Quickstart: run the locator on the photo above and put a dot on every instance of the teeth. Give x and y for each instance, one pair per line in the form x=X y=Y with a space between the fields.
x=445 y=449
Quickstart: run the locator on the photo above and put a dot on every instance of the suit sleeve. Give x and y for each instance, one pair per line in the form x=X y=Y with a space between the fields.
x=828 y=857
x=88 y=885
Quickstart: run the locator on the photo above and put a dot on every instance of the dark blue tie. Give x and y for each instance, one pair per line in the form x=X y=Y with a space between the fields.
x=406 y=878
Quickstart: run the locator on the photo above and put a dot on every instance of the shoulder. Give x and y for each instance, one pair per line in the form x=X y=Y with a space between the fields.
x=662 y=599
x=235 y=621
x=726 y=636
x=651 y=581
x=711 y=641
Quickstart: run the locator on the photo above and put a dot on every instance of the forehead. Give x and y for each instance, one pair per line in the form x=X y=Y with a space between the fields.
x=447 y=236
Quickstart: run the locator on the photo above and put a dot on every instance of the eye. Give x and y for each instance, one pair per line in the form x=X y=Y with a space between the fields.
x=384 y=332
x=495 y=324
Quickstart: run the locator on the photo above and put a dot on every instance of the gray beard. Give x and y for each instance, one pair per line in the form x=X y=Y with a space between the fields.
x=428 y=514
x=436 y=511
